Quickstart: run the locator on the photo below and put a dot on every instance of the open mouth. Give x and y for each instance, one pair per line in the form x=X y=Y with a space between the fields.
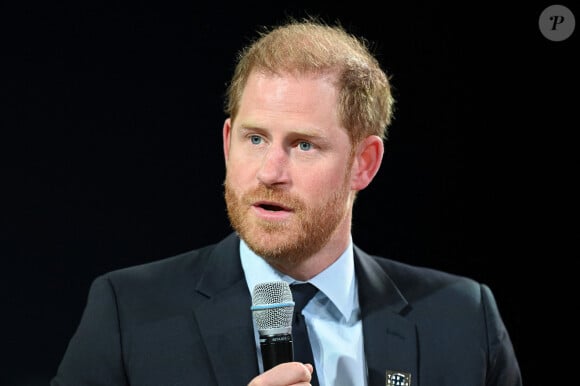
x=272 y=207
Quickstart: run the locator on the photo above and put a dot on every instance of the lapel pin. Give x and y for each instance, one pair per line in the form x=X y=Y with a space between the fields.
x=398 y=378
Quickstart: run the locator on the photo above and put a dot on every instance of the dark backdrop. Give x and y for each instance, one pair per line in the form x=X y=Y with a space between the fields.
x=111 y=154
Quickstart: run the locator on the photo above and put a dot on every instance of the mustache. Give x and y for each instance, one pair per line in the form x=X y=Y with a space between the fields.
x=264 y=193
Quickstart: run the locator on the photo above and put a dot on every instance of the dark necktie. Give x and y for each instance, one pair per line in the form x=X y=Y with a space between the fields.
x=302 y=293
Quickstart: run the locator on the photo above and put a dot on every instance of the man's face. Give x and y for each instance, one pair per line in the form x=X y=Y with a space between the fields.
x=288 y=161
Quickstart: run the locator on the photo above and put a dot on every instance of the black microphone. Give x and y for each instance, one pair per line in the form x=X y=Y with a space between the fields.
x=273 y=307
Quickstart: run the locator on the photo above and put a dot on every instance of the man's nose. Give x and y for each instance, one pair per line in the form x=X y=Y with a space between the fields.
x=274 y=167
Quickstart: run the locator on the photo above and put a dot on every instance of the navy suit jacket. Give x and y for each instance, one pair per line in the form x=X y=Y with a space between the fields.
x=186 y=320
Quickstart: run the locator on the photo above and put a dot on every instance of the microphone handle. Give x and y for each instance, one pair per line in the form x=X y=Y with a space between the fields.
x=276 y=349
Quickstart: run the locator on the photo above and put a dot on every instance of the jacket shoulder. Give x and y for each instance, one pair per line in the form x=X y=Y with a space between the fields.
x=420 y=282
x=183 y=270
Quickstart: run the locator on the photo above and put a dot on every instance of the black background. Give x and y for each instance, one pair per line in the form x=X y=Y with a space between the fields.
x=111 y=154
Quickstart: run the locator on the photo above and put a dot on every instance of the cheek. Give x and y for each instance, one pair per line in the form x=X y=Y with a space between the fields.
x=240 y=168
x=321 y=185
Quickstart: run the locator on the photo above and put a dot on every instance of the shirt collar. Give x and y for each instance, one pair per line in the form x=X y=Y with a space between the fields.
x=337 y=282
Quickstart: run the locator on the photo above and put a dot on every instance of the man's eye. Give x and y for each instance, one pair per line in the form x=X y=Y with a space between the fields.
x=255 y=139
x=305 y=146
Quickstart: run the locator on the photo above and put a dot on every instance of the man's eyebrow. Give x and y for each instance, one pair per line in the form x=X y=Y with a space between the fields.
x=299 y=132
x=250 y=128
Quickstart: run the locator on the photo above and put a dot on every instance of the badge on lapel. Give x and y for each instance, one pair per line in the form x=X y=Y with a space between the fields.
x=398 y=378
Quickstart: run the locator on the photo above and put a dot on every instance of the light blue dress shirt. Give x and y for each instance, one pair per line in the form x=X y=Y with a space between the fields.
x=332 y=317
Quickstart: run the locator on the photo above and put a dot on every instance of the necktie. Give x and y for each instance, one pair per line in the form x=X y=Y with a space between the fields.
x=302 y=293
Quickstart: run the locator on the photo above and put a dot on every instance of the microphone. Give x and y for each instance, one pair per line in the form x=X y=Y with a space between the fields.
x=272 y=308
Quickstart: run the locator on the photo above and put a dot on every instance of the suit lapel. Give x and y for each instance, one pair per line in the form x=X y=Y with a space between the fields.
x=225 y=319
x=390 y=340
x=224 y=316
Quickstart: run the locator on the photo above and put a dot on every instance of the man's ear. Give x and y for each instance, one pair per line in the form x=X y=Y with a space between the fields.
x=367 y=161
x=226 y=134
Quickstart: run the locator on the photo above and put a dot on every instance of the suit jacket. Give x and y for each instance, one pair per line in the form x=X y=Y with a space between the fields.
x=186 y=320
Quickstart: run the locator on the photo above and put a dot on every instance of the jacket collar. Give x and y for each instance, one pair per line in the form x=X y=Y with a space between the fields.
x=390 y=339
x=224 y=317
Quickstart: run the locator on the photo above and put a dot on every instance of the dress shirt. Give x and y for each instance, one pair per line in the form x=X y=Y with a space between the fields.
x=332 y=317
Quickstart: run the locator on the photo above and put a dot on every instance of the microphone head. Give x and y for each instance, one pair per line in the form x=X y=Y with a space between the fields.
x=273 y=307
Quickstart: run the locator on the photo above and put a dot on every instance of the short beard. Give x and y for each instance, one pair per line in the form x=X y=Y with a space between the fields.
x=284 y=244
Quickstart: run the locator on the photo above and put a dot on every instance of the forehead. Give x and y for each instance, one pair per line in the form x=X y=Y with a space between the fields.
x=313 y=95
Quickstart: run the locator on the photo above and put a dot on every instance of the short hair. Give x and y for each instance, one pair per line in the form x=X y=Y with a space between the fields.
x=365 y=102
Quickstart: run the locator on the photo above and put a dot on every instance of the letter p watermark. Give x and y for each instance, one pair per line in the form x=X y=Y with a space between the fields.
x=557 y=23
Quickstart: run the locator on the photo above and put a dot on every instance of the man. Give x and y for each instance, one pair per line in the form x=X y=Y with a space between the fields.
x=308 y=108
